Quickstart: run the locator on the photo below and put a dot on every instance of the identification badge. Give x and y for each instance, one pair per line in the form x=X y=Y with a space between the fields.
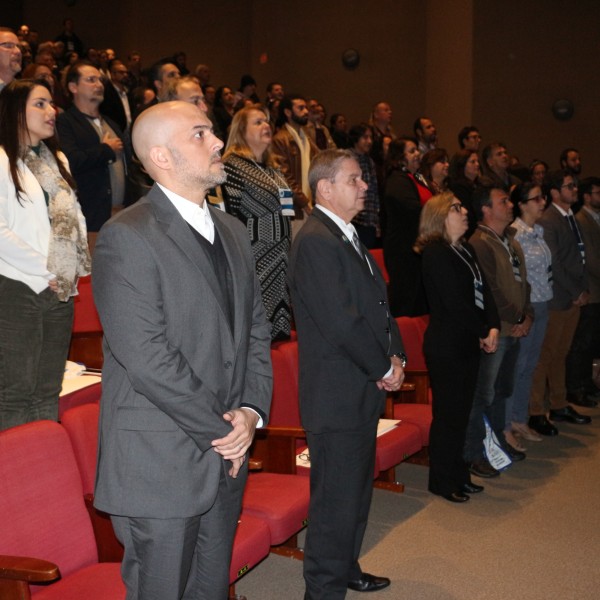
x=581 y=251
x=515 y=267
x=287 y=202
x=550 y=278
x=478 y=285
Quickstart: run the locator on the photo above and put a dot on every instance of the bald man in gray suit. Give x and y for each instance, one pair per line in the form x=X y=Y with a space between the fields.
x=187 y=373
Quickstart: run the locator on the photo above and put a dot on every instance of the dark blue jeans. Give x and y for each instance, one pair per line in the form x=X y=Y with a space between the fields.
x=35 y=331
x=494 y=385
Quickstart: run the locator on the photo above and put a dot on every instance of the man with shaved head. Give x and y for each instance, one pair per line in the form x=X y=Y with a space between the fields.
x=187 y=373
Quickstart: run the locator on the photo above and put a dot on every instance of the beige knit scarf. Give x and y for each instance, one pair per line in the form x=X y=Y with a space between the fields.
x=68 y=253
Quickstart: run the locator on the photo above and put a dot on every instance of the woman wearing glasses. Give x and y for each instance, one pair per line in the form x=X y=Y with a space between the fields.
x=463 y=321
x=43 y=252
x=529 y=204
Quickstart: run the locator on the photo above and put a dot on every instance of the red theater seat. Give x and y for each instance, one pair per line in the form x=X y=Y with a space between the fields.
x=43 y=515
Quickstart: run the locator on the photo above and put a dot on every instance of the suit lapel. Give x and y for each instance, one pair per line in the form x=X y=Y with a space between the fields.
x=233 y=254
x=337 y=232
x=178 y=230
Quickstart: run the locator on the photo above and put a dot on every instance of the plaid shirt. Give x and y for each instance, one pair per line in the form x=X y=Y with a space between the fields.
x=369 y=217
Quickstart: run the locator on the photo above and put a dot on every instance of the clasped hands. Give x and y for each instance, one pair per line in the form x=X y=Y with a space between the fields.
x=235 y=444
x=392 y=382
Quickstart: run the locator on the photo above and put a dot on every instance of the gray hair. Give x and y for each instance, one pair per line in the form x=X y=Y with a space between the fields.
x=325 y=165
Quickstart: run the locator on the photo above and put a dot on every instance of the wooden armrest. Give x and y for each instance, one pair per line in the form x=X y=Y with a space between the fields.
x=109 y=547
x=275 y=447
x=254 y=464
x=24 y=568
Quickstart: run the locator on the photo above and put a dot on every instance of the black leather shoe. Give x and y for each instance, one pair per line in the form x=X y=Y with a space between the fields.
x=515 y=455
x=368 y=583
x=471 y=488
x=570 y=415
x=483 y=468
x=541 y=424
x=456 y=497
x=582 y=399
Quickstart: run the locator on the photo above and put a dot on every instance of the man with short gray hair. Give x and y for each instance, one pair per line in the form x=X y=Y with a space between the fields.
x=10 y=56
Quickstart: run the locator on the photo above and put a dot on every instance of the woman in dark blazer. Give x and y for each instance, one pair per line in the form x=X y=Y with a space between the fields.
x=405 y=194
x=463 y=321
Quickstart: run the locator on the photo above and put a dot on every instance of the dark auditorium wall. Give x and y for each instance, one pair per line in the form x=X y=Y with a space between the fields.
x=499 y=65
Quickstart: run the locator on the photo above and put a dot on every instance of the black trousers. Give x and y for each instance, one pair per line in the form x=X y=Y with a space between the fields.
x=341 y=487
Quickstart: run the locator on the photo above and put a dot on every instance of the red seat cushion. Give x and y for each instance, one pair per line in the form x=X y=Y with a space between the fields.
x=416 y=414
x=87 y=395
x=279 y=500
x=397 y=445
x=251 y=544
x=97 y=582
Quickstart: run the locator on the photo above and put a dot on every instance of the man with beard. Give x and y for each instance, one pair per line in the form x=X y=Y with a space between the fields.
x=295 y=150
x=187 y=372
x=426 y=133
x=94 y=146
x=10 y=56
x=570 y=162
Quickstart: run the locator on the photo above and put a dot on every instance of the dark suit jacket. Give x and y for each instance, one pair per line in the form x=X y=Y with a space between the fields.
x=568 y=273
x=345 y=333
x=89 y=160
x=112 y=106
x=291 y=166
x=591 y=238
x=172 y=365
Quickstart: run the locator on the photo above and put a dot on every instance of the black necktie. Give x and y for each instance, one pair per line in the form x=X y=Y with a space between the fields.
x=577 y=233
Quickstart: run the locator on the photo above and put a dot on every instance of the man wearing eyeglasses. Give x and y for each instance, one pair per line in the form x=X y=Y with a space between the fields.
x=94 y=145
x=10 y=56
x=570 y=287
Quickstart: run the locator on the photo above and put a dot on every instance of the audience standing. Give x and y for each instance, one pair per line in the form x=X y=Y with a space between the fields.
x=43 y=249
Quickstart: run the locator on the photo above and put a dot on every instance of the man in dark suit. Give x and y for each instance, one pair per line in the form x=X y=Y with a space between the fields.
x=116 y=99
x=187 y=372
x=94 y=146
x=570 y=287
x=350 y=354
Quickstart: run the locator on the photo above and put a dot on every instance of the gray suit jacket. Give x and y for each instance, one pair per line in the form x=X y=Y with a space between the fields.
x=591 y=238
x=172 y=366
x=345 y=333
x=569 y=278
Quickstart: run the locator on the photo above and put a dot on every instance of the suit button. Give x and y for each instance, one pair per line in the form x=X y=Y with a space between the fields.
x=227 y=365
x=382 y=302
x=387 y=329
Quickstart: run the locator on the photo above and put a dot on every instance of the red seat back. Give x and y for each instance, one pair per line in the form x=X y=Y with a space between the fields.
x=377 y=254
x=285 y=410
x=86 y=319
x=412 y=330
x=42 y=511
x=81 y=424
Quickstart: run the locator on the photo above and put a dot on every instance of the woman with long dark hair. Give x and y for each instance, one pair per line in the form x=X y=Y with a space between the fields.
x=43 y=252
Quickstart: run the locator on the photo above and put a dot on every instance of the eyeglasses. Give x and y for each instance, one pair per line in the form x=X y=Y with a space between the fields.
x=92 y=79
x=569 y=186
x=457 y=207
x=9 y=45
x=538 y=198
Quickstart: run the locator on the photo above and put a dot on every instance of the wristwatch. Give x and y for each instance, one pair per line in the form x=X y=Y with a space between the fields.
x=402 y=357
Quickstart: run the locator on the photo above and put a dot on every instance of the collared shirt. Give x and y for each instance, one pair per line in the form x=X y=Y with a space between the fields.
x=125 y=103
x=538 y=259
x=196 y=216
